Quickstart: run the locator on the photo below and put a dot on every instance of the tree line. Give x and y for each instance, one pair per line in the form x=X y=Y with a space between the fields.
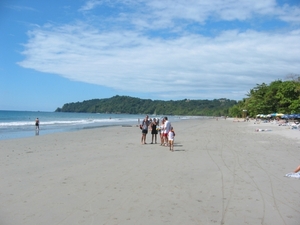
x=277 y=97
x=131 y=105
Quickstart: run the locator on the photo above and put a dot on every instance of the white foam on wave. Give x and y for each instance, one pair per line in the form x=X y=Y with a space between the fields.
x=64 y=122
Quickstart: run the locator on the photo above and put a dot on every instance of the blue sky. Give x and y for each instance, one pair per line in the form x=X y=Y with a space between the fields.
x=56 y=52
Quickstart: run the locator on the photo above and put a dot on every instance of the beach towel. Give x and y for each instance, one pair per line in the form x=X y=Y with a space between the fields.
x=293 y=175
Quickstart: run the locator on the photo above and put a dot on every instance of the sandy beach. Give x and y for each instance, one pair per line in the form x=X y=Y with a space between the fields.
x=221 y=172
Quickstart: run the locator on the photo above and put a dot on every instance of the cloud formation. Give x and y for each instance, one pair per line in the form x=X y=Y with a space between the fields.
x=174 y=50
x=89 y=5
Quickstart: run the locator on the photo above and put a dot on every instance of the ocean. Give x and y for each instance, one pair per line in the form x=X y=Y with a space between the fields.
x=20 y=124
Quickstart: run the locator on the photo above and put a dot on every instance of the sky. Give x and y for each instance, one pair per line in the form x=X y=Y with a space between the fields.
x=61 y=51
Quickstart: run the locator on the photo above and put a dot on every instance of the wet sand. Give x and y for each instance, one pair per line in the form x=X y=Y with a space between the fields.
x=221 y=172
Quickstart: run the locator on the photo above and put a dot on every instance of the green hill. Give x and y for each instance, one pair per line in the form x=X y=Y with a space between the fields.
x=130 y=105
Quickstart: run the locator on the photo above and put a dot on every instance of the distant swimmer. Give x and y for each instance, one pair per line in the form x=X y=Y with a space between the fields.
x=37 y=124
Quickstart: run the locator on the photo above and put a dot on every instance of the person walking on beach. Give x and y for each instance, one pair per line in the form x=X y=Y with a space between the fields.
x=171 y=136
x=145 y=124
x=37 y=124
x=154 y=131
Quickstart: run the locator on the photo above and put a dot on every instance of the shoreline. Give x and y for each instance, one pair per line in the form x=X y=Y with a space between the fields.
x=51 y=124
x=220 y=173
x=41 y=132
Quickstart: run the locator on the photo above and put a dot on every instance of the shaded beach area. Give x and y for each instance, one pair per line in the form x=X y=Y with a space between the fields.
x=221 y=172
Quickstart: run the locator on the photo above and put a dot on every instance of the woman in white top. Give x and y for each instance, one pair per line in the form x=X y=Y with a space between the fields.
x=167 y=128
x=161 y=131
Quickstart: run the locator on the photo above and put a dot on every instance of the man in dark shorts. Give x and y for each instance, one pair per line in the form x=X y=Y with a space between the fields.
x=37 y=124
x=145 y=124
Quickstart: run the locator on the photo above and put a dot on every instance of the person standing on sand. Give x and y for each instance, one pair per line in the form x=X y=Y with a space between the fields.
x=37 y=124
x=161 y=131
x=167 y=128
x=145 y=124
x=171 y=136
x=154 y=131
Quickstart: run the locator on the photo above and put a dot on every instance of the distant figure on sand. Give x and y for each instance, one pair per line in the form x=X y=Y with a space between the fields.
x=145 y=124
x=161 y=131
x=37 y=124
x=171 y=136
x=167 y=128
x=154 y=131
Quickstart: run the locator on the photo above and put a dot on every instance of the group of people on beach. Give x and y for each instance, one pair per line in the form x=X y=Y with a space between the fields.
x=164 y=130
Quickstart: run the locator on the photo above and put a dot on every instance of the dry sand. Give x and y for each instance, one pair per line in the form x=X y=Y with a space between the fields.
x=221 y=172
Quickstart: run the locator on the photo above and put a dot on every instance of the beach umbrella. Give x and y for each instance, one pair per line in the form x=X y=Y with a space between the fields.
x=284 y=116
x=297 y=116
x=269 y=115
x=292 y=116
x=276 y=114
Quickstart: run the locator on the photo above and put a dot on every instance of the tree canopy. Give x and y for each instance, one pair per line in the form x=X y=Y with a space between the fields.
x=131 y=105
x=277 y=97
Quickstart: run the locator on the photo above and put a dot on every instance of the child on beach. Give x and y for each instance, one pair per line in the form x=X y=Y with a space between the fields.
x=171 y=136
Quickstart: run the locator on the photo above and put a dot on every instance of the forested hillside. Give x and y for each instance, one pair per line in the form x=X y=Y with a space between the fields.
x=277 y=97
x=130 y=105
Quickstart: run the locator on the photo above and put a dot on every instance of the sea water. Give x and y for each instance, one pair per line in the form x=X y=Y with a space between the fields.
x=19 y=124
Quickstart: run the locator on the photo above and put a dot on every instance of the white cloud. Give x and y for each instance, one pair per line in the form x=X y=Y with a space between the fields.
x=188 y=65
x=20 y=8
x=290 y=14
x=158 y=14
x=89 y=5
